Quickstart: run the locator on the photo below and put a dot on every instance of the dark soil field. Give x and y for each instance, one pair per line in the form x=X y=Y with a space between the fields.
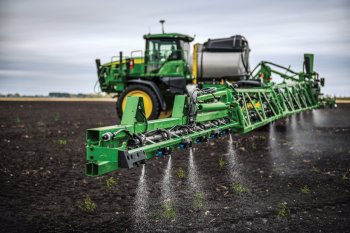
x=290 y=176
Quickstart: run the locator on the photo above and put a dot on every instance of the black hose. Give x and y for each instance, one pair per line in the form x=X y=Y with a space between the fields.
x=244 y=65
x=208 y=90
x=108 y=136
x=133 y=143
x=279 y=66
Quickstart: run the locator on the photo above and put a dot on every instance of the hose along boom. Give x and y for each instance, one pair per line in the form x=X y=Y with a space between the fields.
x=203 y=115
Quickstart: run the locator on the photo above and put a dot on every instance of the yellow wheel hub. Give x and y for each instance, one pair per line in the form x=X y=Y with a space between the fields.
x=147 y=101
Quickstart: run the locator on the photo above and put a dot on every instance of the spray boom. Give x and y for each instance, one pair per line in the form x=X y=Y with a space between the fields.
x=202 y=115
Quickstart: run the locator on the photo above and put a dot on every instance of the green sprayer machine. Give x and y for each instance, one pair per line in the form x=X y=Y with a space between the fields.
x=168 y=65
x=227 y=98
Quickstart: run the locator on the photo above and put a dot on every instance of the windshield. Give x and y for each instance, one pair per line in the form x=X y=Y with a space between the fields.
x=186 y=51
x=158 y=51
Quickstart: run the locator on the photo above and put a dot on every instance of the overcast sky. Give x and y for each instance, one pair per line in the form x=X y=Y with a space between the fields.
x=48 y=46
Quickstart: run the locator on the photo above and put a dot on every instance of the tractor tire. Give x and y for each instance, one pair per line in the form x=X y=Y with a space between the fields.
x=150 y=100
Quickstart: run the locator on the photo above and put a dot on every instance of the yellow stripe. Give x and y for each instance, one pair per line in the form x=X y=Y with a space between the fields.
x=136 y=61
x=194 y=63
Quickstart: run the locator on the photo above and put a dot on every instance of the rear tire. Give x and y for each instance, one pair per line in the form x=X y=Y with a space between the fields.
x=149 y=96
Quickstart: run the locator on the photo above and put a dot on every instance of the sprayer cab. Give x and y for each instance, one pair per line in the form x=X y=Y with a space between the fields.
x=167 y=54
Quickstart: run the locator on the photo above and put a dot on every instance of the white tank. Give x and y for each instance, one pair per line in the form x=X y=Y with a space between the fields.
x=226 y=58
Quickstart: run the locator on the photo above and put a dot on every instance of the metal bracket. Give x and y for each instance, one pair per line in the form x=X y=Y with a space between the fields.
x=129 y=160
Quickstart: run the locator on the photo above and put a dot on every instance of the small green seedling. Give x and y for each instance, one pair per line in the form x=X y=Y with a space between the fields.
x=18 y=120
x=305 y=189
x=283 y=209
x=238 y=188
x=198 y=202
x=62 y=142
x=56 y=116
x=221 y=163
x=110 y=183
x=254 y=146
x=88 y=205
x=315 y=169
x=345 y=176
x=180 y=173
x=168 y=211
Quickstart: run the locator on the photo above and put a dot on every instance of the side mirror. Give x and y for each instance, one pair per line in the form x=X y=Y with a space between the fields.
x=322 y=82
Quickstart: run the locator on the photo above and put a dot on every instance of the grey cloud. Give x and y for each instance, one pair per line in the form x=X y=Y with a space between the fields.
x=51 y=45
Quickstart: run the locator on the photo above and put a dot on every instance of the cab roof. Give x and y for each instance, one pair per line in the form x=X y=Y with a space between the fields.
x=169 y=35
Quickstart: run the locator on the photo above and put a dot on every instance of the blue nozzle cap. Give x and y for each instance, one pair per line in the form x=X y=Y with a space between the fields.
x=159 y=153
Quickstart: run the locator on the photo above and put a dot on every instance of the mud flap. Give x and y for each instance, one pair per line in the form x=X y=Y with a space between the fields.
x=177 y=85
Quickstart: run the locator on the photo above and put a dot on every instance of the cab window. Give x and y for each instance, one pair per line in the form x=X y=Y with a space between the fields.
x=159 y=51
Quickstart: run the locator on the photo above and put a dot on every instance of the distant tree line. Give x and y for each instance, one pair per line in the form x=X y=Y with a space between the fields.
x=55 y=95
